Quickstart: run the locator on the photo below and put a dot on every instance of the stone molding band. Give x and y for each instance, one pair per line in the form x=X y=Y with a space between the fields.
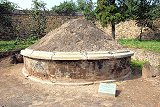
x=76 y=55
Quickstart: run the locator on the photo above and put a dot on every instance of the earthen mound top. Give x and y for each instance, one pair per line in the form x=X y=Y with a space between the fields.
x=76 y=35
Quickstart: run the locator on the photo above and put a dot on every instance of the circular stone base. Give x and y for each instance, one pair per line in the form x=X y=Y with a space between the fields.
x=73 y=84
x=77 y=71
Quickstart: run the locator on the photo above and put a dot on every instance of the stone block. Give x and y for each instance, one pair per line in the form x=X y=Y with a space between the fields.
x=84 y=70
x=99 y=56
x=19 y=58
x=26 y=52
x=106 y=55
x=108 y=89
x=68 y=56
x=149 y=71
x=42 y=55
x=121 y=55
x=13 y=59
x=99 y=52
x=120 y=51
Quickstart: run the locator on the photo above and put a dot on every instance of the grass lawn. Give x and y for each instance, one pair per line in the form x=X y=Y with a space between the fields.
x=12 y=45
x=152 y=45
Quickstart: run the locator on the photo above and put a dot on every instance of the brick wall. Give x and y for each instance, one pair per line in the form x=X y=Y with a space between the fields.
x=21 y=21
x=125 y=30
x=145 y=55
x=129 y=30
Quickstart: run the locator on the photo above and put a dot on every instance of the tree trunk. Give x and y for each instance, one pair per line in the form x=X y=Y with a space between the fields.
x=140 y=34
x=113 y=31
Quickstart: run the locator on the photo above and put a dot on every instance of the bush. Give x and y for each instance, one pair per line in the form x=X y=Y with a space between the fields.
x=38 y=19
x=65 y=7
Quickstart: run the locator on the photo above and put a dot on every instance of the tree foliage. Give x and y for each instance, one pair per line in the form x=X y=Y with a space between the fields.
x=65 y=7
x=155 y=12
x=81 y=5
x=132 y=10
x=8 y=5
x=110 y=12
x=114 y=11
x=70 y=7
x=87 y=7
x=144 y=12
x=38 y=19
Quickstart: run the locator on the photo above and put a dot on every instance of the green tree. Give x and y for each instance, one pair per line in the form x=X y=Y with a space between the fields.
x=9 y=5
x=144 y=12
x=65 y=7
x=156 y=11
x=132 y=9
x=87 y=7
x=143 y=16
x=81 y=5
x=111 y=12
x=38 y=19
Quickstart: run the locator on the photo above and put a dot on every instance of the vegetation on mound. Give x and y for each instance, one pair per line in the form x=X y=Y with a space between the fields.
x=137 y=63
x=152 y=45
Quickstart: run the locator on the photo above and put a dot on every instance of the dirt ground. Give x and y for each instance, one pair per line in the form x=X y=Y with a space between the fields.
x=18 y=90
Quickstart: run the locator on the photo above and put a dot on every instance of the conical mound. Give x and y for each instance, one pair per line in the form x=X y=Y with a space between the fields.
x=76 y=35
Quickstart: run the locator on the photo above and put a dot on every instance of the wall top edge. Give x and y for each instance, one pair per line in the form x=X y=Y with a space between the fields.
x=76 y=55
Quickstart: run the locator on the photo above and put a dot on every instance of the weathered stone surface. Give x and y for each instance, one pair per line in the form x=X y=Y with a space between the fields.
x=88 y=70
x=68 y=56
x=19 y=58
x=4 y=54
x=41 y=55
x=76 y=35
x=26 y=52
x=120 y=51
x=77 y=50
x=98 y=52
x=108 y=89
x=130 y=30
x=149 y=71
x=145 y=55
x=76 y=55
x=126 y=30
x=120 y=54
x=15 y=56
x=99 y=56
x=13 y=59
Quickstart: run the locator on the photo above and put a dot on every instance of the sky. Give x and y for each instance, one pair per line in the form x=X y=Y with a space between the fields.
x=26 y=4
